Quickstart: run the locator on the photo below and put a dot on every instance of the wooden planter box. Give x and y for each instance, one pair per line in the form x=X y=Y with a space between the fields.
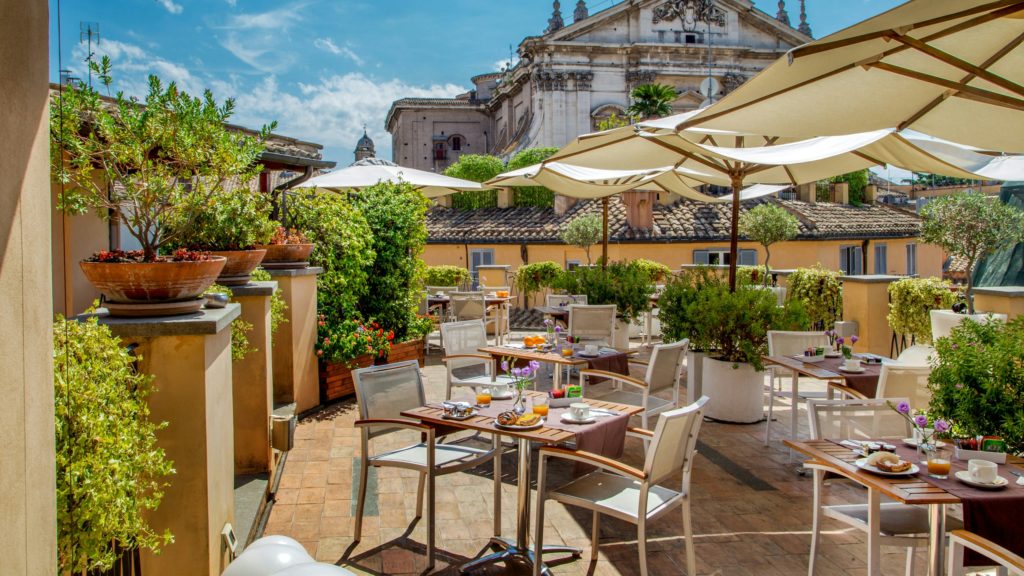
x=411 y=350
x=336 y=378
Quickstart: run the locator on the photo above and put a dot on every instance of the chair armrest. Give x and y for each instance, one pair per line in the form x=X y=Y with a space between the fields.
x=465 y=356
x=639 y=432
x=614 y=376
x=593 y=459
x=987 y=548
x=393 y=423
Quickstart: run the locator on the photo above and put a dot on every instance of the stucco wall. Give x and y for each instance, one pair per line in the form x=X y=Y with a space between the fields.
x=27 y=501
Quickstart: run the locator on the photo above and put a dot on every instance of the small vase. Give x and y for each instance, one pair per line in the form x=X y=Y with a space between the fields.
x=923 y=449
x=520 y=405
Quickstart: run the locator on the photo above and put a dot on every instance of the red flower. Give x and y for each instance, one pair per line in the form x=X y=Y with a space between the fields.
x=391 y=334
x=319 y=352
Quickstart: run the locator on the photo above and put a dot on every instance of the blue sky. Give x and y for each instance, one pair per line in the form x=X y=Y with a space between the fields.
x=323 y=68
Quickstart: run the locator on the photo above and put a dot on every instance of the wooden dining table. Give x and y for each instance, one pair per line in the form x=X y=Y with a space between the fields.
x=501 y=302
x=551 y=357
x=517 y=549
x=830 y=456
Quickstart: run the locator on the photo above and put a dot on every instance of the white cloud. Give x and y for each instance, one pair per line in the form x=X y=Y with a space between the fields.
x=505 y=63
x=261 y=39
x=231 y=3
x=279 y=19
x=170 y=6
x=328 y=45
x=131 y=65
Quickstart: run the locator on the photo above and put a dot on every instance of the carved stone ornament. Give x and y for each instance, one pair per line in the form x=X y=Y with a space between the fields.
x=690 y=13
x=732 y=81
x=636 y=78
x=548 y=80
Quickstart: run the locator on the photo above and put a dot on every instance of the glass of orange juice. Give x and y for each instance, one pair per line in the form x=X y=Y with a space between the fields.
x=938 y=463
x=540 y=405
x=483 y=396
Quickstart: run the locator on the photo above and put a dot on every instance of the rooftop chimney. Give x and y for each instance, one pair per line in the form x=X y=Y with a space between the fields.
x=640 y=208
x=563 y=204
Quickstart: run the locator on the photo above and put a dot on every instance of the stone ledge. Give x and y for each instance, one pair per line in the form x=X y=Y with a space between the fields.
x=264 y=288
x=872 y=278
x=310 y=271
x=203 y=323
x=1004 y=291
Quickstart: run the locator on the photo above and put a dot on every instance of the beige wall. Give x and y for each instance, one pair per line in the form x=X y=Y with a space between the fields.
x=413 y=133
x=785 y=255
x=27 y=500
x=74 y=238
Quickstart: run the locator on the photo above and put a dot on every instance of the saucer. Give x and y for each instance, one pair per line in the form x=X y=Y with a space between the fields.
x=505 y=396
x=583 y=354
x=852 y=371
x=965 y=477
x=568 y=419
x=832 y=354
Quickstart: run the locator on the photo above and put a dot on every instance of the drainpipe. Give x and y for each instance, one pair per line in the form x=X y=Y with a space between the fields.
x=282 y=189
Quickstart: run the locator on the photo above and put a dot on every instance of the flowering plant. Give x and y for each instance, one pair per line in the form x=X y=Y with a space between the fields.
x=521 y=377
x=288 y=236
x=549 y=325
x=350 y=339
x=841 y=346
x=926 y=428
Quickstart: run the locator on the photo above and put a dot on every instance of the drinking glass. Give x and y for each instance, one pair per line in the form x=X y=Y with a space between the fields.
x=483 y=396
x=540 y=405
x=938 y=462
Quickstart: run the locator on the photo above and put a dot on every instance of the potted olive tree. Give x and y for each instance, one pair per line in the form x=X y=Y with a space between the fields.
x=971 y=226
x=768 y=224
x=141 y=162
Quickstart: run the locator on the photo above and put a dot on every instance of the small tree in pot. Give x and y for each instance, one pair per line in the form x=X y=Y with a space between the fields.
x=583 y=232
x=767 y=224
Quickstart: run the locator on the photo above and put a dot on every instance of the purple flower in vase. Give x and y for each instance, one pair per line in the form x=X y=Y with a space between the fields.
x=504 y=365
x=941 y=426
x=526 y=371
x=534 y=365
x=517 y=372
x=558 y=329
x=921 y=420
x=547 y=321
x=853 y=339
x=840 y=340
x=903 y=408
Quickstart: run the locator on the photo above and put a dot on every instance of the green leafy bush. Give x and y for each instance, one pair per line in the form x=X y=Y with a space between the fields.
x=478 y=168
x=348 y=339
x=752 y=275
x=445 y=275
x=110 y=470
x=768 y=224
x=620 y=283
x=396 y=214
x=531 y=195
x=534 y=277
x=583 y=232
x=977 y=381
x=656 y=272
x=821 y=294
x=240 y=346
x=675 y=307
x=911 y=301
x=277 y=303
x=237 y=219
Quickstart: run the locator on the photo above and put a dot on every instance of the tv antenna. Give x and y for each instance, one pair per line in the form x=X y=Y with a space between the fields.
x=89 y=32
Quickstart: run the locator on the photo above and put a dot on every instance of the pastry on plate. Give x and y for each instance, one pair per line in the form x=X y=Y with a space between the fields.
x=507 y=418
x=528 y=419
x=888 y=462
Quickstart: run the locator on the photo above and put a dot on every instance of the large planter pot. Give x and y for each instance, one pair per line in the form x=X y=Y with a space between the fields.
x=283 y=256
x=694 y=376
x=943 y=321
x=620 y=336
x=153 y=288
x=411 y=350
x=735 y=390
x=336 y=377
x=239 y=266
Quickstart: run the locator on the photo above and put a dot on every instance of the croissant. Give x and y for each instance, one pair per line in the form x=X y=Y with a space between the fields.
x=507 y=418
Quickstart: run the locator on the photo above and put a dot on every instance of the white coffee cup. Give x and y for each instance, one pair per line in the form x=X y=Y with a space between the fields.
x=591 y=349
x=579 y=411
x=852 y=364
x=500 y=389
x=983 y=471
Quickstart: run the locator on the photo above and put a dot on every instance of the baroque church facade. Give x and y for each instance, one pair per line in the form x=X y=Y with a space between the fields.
x=575 y=75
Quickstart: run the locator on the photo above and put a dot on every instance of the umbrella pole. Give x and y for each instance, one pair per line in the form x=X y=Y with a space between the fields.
x=604 y=232
x=734 y=238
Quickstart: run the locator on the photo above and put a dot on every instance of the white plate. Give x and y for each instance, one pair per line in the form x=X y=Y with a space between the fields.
x=965 y=477
x=568 y=419
x=832 y=354
x=587 y=355
x=809 y=359
x=845 y=369
x=862 y=463
x=519 y=428
x=505 y=396
x=913 y=442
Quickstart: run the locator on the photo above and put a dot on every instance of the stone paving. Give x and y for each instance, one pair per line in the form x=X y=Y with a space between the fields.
x=751 y=510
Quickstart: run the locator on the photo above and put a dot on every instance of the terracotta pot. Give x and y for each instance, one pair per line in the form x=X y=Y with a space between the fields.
x=149 y=282
x=239 y=266
x=279 y=253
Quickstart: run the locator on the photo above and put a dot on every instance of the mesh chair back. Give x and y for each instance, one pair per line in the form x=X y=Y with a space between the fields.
x=592 y=322
x=785 y=343
x=675 y=439
x=386 y=391
x=859 y=419
x=468 y=305
x=564 y=299
x=666 y=365
x=905 y=382
x=466 y=337
x=917 y=355
x=434 y=290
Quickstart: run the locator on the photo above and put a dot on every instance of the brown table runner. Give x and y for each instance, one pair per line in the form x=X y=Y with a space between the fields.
x=993 y=514
x=865 y=383
x=609 y=360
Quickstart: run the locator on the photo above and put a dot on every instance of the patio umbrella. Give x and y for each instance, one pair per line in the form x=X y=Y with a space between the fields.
x=736 y=159
x=953 y=69
x=371 y=171
x=590 y=183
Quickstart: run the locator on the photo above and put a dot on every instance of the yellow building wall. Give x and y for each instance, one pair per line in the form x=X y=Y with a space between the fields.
x=784 y=255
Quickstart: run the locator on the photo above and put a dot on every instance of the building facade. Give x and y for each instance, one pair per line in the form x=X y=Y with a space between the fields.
x=572 y=77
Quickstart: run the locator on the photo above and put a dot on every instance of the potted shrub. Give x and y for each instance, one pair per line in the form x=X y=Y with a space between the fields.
x=821 y=294
x=110 y=471
x=343 y=347
x=768 y=224
x=678 y=321
x=911 y=301
x=977 y=381
x=535 y=277
x=733 y=328
x=141 y=162
x=620 y=283
x=288 y=248
x=656 y=272
x=232 y=225
x=583 y=232
x=971 y=226
x=445 y=275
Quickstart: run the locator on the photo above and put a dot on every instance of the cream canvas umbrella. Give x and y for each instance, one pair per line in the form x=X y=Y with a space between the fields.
x=953 y=69
x=591 y=183
x=371 y=171
x=737 y=160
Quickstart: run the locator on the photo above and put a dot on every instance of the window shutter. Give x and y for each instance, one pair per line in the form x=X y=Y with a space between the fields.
x=858 y=261
x=700 y=257
x=748 y=258
x=881 y=259
x=844 y=259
